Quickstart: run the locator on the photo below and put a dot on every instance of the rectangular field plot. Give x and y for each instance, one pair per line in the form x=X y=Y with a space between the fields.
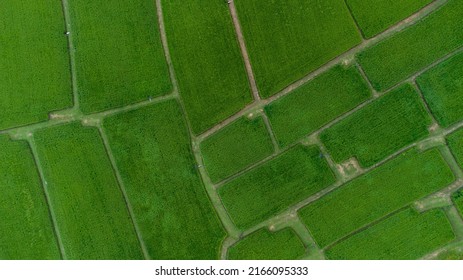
x=316 y=103
x=406 y=235
x=442 y=87
x=407 y=52
x=371 y=134
x=265 y=245
x=397 y=183
x=455 y=141
x=34 y=62
x=169 y=201
x=375 y=16
x=91 y=214
x=288 y=39
x=275 y=185
x=207 y=60
x=119 y=55
x=235 y=147
x=26 y=230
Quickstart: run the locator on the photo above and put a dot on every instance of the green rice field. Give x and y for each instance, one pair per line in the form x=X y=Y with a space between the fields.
x=231 y=130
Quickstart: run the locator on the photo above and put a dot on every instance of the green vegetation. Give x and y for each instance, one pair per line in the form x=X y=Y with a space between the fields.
x=457 y=199
x=25 y=231
x=375 y=16
x=288 y=39
x=397 y=183
x=34 y=62
x=235 y=147
x=405 y=235
x=275 y=185
x=316 y=103
x=442 y=87
x=119 y=55
x=266 y=245
x=170 y=204
x=455 y=141
x=371 y=134
x=405 y=53
x=207 y=60
x=90 y=211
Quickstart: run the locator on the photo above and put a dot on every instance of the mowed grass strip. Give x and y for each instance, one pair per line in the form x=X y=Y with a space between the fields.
x=119 y=55
x=34 y=62
x=455 y=141
x=272 y=187
x=409 y=177
x=442 y=87
x=91 y=213
x=409 y=51
x=207 y=60
x=170 y=204
x=316 y=103
x=391 y=122
x=375 y=16
x=288 y=39
x=407 y=235
x=26 y=231
x=265 y=245
x=236 y=147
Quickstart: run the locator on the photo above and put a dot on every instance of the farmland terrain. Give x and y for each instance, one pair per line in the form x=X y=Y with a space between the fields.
x=241 y=129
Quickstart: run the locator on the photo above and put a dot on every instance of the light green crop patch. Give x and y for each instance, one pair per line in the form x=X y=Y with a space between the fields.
x=390 y=123
x=26 y=231
x=406 y=235
x=207 y=60
x=236 y=147
x=265 y=245
x=442 y=87
x=274 y=186
x=91 y=214
x=399 y=182
x=288 y=39
x=119 y=55
x=34 y=62
x=375 y=16
x=407 y=52
x=169 y=201
x=316 y=103
x=455 y=141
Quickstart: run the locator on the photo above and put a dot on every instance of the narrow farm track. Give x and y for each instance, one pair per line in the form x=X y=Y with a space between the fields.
x=116 y=171
x=30 y=139
x=72 y=50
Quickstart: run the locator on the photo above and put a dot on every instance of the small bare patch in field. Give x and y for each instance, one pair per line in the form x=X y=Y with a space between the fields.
x=349 y=168
x=433 y=128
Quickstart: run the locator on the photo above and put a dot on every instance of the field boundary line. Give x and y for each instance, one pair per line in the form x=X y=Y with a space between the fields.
x=271 y=134
x=455 y=220
x=165 y=45
x=30 y=139
x=123 y=190
x=213 y=197
x=244 y=51
x=71 y=50
x=354 y=19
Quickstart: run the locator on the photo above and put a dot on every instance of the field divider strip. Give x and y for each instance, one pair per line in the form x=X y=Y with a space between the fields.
x=268 y=125
x=244 y=51
x=165 y=45
x=455 y=220
x=213 y=196
x=425 y=103
x=359 y=29
x=71 y=49
x=123 y=190
x=30 y=139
